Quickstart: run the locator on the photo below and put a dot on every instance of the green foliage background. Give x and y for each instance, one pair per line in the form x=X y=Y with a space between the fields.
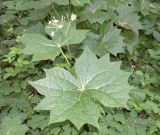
x=127 y=30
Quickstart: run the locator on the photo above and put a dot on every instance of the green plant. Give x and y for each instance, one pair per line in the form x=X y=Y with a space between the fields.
x=93 y=65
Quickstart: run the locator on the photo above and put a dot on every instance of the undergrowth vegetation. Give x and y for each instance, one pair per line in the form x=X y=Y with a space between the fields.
x=79 y=67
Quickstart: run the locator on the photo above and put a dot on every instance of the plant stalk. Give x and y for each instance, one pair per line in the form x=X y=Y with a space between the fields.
x=65 y=57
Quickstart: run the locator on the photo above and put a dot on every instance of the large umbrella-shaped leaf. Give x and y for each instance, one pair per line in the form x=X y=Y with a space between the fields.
x=75 y=98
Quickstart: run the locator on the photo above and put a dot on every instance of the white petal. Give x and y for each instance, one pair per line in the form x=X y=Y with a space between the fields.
x=73 y=17
x=52 y=33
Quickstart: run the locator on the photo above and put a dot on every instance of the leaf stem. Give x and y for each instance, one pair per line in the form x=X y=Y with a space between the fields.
x=56 y=11
x=65 y=57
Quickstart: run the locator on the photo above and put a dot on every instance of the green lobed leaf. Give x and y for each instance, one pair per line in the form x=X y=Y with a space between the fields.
x=96 y=80
x=128 y=18
x=39 y=46
x=12 y=126
x=110 y=40
x=132 y=41
x=42 y=13
x=38 y=121
x=93 y=42
x=93 y=14
x=43 y=48
x=5 y=18
x=113 y=40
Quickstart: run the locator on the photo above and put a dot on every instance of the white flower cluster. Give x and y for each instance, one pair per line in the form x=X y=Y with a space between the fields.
x=56 y=23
